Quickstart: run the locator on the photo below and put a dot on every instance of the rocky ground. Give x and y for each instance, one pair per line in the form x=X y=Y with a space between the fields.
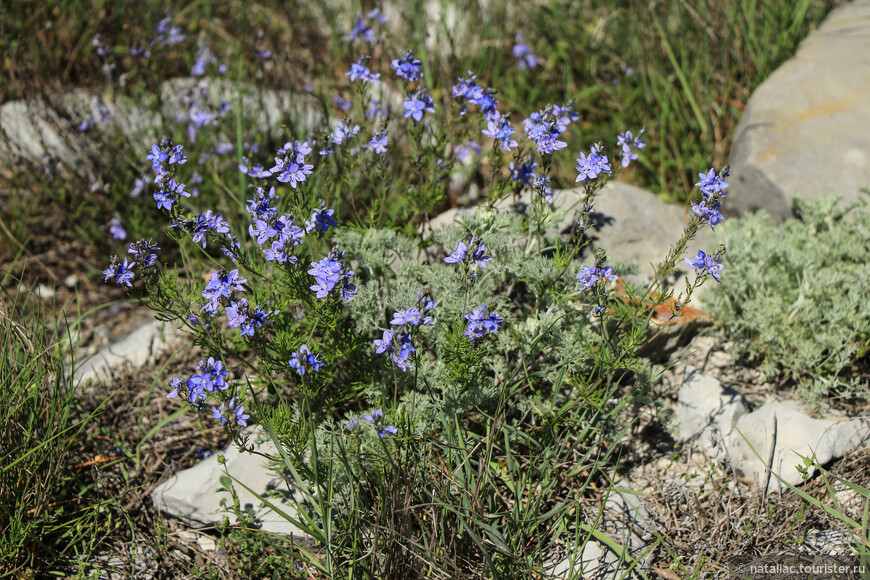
x=701 y=498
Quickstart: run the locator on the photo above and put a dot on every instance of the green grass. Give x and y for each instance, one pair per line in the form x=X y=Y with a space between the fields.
x=48 y=513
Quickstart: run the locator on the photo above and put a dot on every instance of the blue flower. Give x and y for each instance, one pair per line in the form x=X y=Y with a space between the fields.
x=116 y=229
x=478 y=254
x=140 y=250
x=221 y=284
x=342 y=133
x=120 y=271
x=321 y=219
x=590 y=275
x=711 y=183
x=239 y=413
x=360 y=72
x=379 y=142
x=407 y=67
x=327 y=274
x=626 y=141
x=524 y=172
x=705 y=264
x=303 y=359
x=157 y=156
x=410 y=316
x=168 y=35
x=384 y=430
x=375 y=419
x=362 y=26
x=418 y=104
x=542 y=186
x=466 y=150
x=240 y=315
x=481 y=323
x=458 y=254
x=591 y=167
x=523 y=54
x=385 y=343
x=499 y=128
x=292 y=170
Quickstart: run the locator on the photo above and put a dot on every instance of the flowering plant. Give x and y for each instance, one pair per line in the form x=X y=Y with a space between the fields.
x=309 y=320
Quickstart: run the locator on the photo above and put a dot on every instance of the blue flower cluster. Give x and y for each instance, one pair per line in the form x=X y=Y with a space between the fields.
x=477 y=255
x=141 y=252
x=407 y=67
x=220 y=286
x=481 y=323
x=280 y=232
x=706 y=265
x=360 y=72
x=399 y=342
x=304 y=359
x=291 y=166
x=342 y=133
x=474 y=94
x=417 y=104
x=546 y=126
x=209 y=380
x=626 y=141
x=239 y=417
x=590 y=275
x=591 y=167
x=498 y=128
x=329 y=272
x=321 y=219
x=203 y=223
x=378 y=143
x=524 y=172
x=524 y=54
x=362 y=26
x=353 y=425
x=247 y=318
x=712 y=191
x=122 y=272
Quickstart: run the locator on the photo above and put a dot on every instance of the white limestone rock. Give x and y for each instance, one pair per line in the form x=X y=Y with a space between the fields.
x=793 y=435
x=191 y=495
x=707 y=411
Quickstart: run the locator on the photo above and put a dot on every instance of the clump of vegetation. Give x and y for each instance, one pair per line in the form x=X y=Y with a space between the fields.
x=797 y=301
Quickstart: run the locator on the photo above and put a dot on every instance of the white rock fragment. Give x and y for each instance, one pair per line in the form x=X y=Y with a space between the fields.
x=707 y=411
x=792 y=435
x=191 y=495
x=143 y=345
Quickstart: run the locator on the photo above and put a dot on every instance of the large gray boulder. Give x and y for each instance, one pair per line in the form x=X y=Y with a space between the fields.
x=804 y=131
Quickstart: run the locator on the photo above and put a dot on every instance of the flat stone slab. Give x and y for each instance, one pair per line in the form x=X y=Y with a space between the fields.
x=191 y=495
x=707 y=411
x=46 y=127
x=632 y=224
x=804 y=131
x=792 y=434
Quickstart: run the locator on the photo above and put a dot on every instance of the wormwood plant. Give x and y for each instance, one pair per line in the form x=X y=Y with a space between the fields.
x=441 y=402
x=800 y=303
